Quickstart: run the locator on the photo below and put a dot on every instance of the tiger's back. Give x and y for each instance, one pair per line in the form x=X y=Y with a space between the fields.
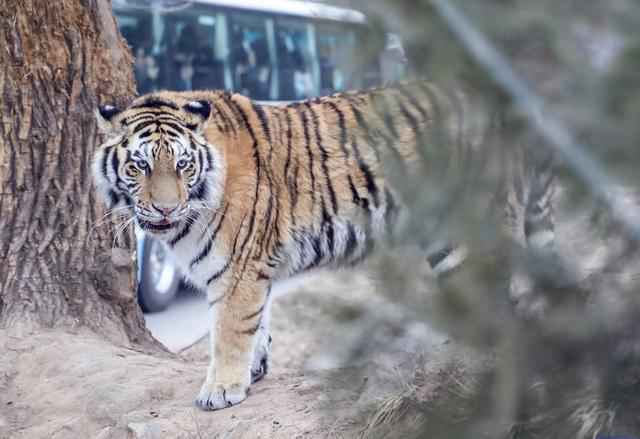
x=327 y=163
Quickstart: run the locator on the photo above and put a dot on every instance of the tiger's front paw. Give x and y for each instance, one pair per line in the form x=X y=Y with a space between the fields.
x=216 y=396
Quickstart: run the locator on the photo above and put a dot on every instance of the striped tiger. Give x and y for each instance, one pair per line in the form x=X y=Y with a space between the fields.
x=247 y=194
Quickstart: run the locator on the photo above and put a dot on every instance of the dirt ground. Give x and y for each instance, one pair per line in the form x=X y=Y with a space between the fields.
x=76 y=385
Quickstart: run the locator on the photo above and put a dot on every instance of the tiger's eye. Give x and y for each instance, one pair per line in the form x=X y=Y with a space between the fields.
x=182 y=164
x=142 y=165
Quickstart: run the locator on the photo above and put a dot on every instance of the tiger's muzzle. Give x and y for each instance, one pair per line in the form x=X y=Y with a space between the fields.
x=159 y=218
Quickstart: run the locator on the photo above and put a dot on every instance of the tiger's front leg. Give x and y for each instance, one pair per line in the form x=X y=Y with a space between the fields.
x=236 y=336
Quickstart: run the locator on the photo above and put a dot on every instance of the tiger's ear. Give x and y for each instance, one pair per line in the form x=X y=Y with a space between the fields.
x=200 y=111
x=104 y=117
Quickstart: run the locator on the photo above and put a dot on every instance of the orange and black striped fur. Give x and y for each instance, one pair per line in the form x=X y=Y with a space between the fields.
x=246 y=194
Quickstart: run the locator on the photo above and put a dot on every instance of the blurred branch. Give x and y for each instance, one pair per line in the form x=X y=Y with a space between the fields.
x=532 y=106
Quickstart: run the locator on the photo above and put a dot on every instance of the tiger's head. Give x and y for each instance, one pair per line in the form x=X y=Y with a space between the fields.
x=156 y=162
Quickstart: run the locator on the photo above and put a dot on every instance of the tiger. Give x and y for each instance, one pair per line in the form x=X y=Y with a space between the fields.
x=247 y=194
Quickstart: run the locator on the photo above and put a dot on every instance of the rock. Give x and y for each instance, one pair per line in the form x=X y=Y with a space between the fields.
x=105 y=433
x=144 y=430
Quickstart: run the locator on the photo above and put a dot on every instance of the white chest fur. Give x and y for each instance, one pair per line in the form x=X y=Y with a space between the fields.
x=199 y=256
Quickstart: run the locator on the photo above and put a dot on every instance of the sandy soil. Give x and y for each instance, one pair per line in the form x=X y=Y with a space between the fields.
x=76 y=385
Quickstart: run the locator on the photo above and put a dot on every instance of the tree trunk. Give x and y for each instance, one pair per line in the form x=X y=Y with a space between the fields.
x=59 y=264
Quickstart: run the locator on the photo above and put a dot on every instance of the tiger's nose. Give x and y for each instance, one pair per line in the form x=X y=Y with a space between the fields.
x=165 y=209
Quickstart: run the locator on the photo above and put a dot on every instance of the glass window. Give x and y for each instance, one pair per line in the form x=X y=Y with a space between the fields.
x=250 y=55
x=337 y=57
x=194 y=53
x=136 y=28
x=295 y=56
x=181 y=49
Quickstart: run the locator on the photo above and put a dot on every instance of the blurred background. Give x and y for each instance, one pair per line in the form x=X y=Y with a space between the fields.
x=449 y=357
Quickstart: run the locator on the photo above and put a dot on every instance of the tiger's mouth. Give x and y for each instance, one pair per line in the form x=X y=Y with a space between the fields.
x=157 y=226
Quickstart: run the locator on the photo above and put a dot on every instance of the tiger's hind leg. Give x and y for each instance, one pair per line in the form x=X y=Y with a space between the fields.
x=529 y=222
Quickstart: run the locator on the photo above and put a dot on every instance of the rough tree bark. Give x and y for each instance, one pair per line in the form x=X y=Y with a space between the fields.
x=58 y=263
